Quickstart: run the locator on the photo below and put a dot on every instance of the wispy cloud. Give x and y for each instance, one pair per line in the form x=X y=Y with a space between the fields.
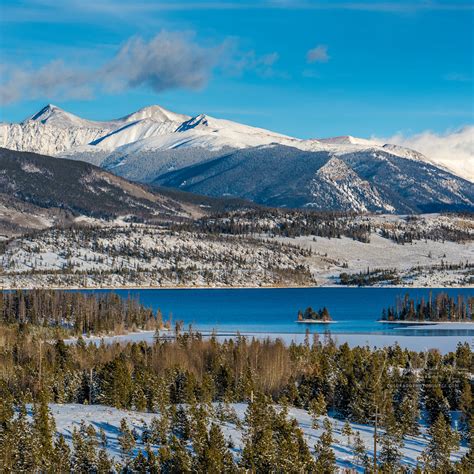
x=240 y=62
x=453 y=149
x=170 y=60
x=318 y=54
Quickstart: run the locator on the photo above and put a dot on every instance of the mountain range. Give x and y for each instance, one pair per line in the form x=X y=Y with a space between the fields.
x=218 y=157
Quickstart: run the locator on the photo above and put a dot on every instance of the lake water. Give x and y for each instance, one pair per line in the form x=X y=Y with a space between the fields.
x=354 y=310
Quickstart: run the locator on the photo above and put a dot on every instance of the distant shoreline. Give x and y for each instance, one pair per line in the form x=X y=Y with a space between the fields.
x=269 y=287
x=427 y=323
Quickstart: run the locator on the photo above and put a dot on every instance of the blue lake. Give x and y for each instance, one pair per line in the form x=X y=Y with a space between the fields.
x=354 y=310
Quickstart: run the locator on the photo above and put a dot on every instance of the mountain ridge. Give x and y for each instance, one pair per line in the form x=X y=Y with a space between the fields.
x=288 y=177
x=155 y=145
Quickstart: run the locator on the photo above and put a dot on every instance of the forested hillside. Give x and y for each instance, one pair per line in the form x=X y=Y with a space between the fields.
x=188 y=383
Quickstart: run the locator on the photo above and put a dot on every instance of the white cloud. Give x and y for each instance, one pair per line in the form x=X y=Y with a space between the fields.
x=453 y=149
x=318 y=54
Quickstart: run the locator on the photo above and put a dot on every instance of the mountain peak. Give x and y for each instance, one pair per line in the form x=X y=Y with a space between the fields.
x=46 y=112
x=155 y=113
x=57 y=117
x=346 y=140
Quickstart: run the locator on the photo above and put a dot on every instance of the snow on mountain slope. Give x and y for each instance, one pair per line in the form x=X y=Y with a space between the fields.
x=348 y=190
x=347 y=140
x=201 y=131
x=133 y=132
x=53 y=131
x=156 y=113
x=57 y=117
x=371 y=179
x=46 y=139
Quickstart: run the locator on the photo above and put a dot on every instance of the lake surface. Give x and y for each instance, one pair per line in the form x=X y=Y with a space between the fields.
x=274 y=310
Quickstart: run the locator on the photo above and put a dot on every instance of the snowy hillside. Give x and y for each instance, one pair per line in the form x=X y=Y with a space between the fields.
x=69 y=416
x=98 y=254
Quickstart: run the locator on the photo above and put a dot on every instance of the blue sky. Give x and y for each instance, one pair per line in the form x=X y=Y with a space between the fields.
x=306 y=68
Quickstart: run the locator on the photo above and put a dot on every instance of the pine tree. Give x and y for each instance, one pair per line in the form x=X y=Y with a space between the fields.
x=259 y=452
x=126 y=441
x=84 y=442
x=153 y=461
x=292 y=454
x=104 y=463
x=466 y=405
x=317 y=408
x=215 y=457
x=23 y=456
x=180 y=460
x=347 y=431
x=407 y=402
x=359 y=449
x=159 y=428
x=138 y=464
x=181 y=425
x=442 y=443
x=198 y=429
x=391 y=451
x=43 y=430
x=62 y=455
x=325 y=457
x=6 y=421
x=435 y=401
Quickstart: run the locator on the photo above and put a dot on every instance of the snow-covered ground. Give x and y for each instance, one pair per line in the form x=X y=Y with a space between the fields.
x=121 y=255
x=331 y=257
x=351 y=256
x=147 y=256
x=99 y=416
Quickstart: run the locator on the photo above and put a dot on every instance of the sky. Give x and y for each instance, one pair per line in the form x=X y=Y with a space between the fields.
x=305 y=68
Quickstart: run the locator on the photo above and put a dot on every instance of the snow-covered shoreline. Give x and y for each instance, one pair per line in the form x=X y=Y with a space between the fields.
x=444 y=344
x=426 y=323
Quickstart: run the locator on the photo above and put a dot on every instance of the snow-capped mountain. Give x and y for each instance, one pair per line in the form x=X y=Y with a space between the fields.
x=155 y=145
x=153 y=130
x=53 y=131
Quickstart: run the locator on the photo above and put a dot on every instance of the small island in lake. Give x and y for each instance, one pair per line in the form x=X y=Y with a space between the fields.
x=439 y=309
x=312 y=316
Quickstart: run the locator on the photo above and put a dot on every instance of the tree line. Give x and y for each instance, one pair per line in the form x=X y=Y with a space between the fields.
x=74 y=312
x=441 y=307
